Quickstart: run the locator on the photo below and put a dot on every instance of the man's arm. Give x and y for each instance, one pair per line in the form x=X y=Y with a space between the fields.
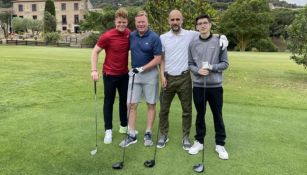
x=162 y=71
x=94 y=60
x=223 y=62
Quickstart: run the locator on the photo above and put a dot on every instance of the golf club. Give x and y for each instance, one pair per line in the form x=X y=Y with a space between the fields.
x=120 y=165
x=152 y=163
x=93 y=152
x=200 y=167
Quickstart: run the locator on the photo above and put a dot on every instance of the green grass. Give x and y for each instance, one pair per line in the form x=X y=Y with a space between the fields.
x=47 y=121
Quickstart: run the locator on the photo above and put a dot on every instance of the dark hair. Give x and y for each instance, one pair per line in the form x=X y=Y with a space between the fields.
x=201 y=17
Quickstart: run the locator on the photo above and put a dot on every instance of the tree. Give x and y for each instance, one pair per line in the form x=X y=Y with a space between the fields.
x=49 y=23
x=281 y=19
x=297 y=41
x=36 y=25
x=18 y=25
x=246 y=20
x=104 y=20
x=158 y=11
x=5 y=20
x=49 y=17
x=49 y=7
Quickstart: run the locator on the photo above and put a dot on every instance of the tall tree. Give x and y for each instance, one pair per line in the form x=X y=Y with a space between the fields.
x=297 y=40
x=49 y=17
x=49 y=23
x=49 y=7
x=104 y=20
x=282 y=18
x=158 y=11
x=246 y=20
x=5 y=20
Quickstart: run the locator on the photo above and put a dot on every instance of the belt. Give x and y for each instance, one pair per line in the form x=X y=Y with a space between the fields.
x=182 y=73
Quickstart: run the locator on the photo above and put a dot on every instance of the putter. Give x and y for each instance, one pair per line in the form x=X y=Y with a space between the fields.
x=152 y=163
x=93 y=152
x=120 y=165
x=200 y=167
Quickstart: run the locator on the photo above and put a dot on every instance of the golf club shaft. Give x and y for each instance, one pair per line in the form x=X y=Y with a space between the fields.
x=129 y=109
x=95 y=91
x=158 y=130
x=203 y=152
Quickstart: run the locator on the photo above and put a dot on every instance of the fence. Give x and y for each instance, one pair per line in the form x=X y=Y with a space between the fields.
x=36 y=43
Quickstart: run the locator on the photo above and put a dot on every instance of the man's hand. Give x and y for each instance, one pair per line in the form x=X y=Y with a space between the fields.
x=137 y=70
x=95 y=75
x=223 y=42
x=163 y=81
x=203 y=71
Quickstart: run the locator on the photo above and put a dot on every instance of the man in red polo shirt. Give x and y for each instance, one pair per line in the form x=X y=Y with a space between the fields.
x=115 y=42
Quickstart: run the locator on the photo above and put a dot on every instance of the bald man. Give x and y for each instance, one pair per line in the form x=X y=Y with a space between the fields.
x=176 y=78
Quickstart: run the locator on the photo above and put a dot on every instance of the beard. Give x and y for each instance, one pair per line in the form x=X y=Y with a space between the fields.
x=175 y=28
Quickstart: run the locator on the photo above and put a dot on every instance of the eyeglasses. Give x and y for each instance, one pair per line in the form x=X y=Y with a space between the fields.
x=203 y=23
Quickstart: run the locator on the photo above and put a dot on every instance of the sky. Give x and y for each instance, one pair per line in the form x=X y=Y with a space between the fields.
x=298 y=2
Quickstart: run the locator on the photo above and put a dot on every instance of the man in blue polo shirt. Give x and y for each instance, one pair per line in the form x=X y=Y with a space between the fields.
x=146 y=50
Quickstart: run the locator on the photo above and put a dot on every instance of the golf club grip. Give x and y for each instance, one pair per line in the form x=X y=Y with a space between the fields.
x=95 y=87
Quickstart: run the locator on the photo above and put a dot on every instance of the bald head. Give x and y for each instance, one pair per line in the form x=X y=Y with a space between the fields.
x=175 y=13
x=175 y=20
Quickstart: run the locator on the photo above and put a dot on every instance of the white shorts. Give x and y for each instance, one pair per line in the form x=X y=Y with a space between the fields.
x=145 y=84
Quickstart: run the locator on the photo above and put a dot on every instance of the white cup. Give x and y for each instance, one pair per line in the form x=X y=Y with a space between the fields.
x=205 y=64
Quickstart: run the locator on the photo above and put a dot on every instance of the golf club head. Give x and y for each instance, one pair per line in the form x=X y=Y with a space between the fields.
x=199 y=168
x=149 y=163
x=93 y=152
x=118 y=165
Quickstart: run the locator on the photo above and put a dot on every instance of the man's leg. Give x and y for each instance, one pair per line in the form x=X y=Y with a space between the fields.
x=185 y=96
x=132 y=117
x=122 y=86
x=109 y=97
x=200 y=123
x=215 y=98
x=151 y=113
x=166 y=98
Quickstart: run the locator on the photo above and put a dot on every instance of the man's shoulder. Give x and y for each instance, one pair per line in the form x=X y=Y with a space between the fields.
x=167 y=34
x=153 y=34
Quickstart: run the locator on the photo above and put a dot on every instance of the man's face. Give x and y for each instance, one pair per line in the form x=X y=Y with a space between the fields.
x=175 y=21
x=121 y=23
x=141 y=24
x=203 y=26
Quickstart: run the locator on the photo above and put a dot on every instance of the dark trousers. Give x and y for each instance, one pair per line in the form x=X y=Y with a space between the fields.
x=111 y=83
x=182 y=86
x=215 y=98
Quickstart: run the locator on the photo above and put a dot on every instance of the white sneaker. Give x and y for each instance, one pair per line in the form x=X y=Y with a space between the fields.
x=222 y=152
x=196 y=147
x=108 y=136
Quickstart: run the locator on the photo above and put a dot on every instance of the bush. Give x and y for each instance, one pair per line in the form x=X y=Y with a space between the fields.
x=52 y=37
x=263 y=45
x=91 y=40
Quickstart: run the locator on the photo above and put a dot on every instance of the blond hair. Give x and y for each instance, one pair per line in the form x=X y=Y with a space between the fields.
x=121 y=13
x=141 y=13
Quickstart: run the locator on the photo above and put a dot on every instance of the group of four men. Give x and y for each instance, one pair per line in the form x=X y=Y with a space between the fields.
x=178 y=52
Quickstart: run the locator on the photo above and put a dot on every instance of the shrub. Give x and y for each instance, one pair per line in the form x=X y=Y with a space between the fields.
x=90 y=41
x=263 y=45
x=52 y=37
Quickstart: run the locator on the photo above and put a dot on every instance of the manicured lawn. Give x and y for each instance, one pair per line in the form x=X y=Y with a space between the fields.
x=47 y=121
